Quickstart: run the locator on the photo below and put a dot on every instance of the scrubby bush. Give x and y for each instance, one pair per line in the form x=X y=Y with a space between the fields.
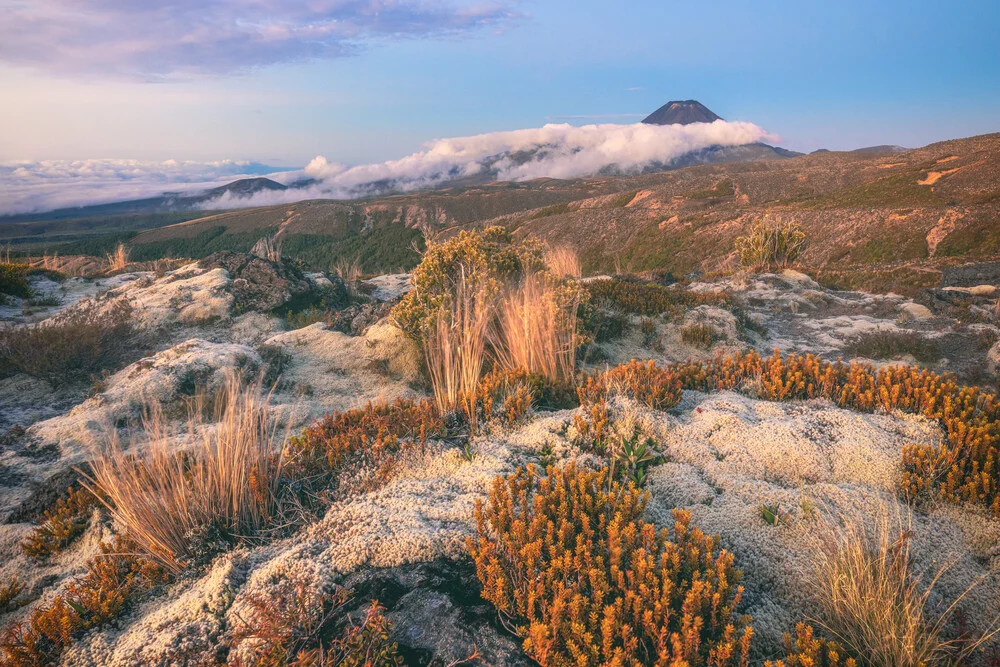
x=642 y=381
x=885 y=344
x=572 y=569
x=807 y=650
x=485 y=260
x=770 y=245
x=113 y=581
x=377 y=433
x=635 y=297
x=13 y=280
x=563 y=262
x=295 y=623
x=73 y=346
x=61 y=525
x=700 y=334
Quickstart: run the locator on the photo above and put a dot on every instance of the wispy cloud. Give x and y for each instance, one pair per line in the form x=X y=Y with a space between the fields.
x=596 y=116
x=158 y=39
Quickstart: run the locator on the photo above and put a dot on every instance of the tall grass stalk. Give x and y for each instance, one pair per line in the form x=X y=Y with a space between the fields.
x=536 y=332
x=875 y=605
x=268 y=248
x=455 y=347
x=227 y=481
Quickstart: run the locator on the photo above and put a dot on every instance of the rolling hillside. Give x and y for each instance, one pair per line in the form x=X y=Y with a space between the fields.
x=886 y=220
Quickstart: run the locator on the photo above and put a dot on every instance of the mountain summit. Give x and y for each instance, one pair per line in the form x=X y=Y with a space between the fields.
x=681 y=112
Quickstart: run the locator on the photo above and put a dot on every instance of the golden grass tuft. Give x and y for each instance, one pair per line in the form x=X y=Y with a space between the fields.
x=875 y=605
x=770 y=245
x=563 y=262
x=117 y=260
x=455 y=347
x=268 y=248
x=536 y=330
x=225 y=486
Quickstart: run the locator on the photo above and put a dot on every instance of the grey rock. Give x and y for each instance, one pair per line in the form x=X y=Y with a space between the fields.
x=971 y=275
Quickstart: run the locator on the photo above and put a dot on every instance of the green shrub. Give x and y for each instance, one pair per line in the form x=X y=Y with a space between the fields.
x=883 y=344
x=771 y=245
x=13 y=280
x=700 y=334
x=486 y=258
x=73 y=346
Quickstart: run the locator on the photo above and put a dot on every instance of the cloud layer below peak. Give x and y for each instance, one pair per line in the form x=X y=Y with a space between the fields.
x=554 y=151
x=158 y=40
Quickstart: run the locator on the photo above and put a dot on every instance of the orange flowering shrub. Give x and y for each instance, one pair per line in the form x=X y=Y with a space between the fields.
x=376 y=432
x=645 y=382
x=113 y=580
x=573 y=570
x=61 y=525
x=963 y=469
x=806 y=650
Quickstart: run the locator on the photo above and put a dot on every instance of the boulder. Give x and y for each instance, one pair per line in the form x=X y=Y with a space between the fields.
x=915 y=311
x=993 y=359
x=258 y=284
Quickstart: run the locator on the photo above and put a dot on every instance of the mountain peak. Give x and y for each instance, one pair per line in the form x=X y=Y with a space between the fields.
x=681 y=112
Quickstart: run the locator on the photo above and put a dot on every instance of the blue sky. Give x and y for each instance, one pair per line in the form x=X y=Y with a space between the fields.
x=386 y=77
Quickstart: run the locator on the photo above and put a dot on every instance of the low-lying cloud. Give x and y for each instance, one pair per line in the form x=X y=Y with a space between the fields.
x=554 y=151
x=156 y=39
x=27 y=187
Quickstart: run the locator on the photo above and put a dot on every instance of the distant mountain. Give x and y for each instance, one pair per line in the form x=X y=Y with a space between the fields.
x=881 y=149
x=245 y=187
x=681 y=112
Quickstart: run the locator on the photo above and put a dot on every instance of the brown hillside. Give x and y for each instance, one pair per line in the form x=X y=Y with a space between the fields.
x=874 y=220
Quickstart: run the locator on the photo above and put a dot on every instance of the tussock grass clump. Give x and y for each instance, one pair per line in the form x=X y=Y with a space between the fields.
x=455 y=347
x=73 y=346
x=269 y=248
x=297 y=624
x=224 y=488
x=563 y=262
x=537 y=329
x=807 y=650
x=572 y=569
x=61 y=525
x=118 y=260
x=769 y=245
x=875 y=605
x=885 y=344
x=114 y=580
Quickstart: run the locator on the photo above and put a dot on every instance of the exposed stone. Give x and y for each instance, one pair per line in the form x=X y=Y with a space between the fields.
x=262 y=285
x=915 y=311
x=970 y=275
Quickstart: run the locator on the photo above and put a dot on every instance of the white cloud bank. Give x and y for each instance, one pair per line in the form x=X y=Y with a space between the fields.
x=556 y=151
x=168 y=39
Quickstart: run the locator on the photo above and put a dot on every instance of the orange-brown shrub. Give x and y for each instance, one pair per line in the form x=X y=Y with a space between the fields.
x=807 y=650
x=113 y=580
x=376 y=432
x=645 y=382
x=61 y=524
x=572 y=569
x=298 y=625
x=963 y=469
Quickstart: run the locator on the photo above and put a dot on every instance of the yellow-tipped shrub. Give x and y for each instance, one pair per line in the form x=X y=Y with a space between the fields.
x=572 y=569
x=771 y=245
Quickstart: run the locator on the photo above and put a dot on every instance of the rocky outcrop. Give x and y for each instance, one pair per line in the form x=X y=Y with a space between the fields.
x=969 y=275
x=262 y=285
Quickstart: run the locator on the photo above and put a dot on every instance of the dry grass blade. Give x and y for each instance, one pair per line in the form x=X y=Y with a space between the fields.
x=875 y=605
x=227 y=482
x=536 y=332
x=563 y=262
x=455 y=346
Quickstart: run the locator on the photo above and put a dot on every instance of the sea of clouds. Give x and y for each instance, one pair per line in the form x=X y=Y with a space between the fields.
x=554 y=151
